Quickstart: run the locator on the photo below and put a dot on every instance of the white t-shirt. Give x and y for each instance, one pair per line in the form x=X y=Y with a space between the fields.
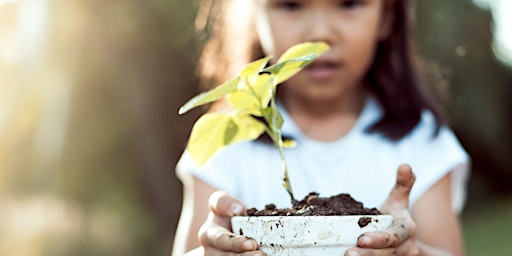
x=361 y=164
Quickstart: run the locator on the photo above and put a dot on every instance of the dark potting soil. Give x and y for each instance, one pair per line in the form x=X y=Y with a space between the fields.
x=313 y=205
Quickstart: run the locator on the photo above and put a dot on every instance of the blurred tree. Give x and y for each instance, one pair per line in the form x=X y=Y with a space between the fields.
x=107 y=82
x=456 y=37
x=133 y=65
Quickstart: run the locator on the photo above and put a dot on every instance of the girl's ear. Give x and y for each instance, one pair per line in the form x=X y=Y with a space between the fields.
x=387 y=19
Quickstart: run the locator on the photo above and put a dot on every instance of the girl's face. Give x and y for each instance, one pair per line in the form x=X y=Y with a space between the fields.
x=352 y=28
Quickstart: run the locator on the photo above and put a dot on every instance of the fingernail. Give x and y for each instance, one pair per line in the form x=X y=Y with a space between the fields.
x=248 y=245
x=352 y=253
x=237 y=208
x=365 y=240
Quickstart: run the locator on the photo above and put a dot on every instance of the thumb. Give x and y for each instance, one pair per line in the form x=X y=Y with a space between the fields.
x=398 y=198
x=225 y=205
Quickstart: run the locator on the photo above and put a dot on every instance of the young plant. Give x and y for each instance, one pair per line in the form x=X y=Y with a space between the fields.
x=252 y=96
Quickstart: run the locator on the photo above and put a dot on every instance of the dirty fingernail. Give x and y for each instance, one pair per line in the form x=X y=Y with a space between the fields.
x=236 y=208
x=365 y=240
x=248 y=245
x=352 y=253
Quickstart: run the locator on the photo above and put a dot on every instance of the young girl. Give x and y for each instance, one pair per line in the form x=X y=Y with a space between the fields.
x=356 y=114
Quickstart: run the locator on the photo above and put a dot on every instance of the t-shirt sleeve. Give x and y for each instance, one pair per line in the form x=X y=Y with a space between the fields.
x=433 y=157
x=218 y=171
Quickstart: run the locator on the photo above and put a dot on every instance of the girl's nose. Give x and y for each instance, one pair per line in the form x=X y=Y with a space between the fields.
x=320 y=28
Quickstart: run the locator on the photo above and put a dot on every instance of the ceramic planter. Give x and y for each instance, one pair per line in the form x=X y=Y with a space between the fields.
x=308 y=235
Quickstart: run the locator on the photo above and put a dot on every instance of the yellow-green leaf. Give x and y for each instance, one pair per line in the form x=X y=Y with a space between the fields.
x=284 y=70
x=245 y=101
x=249 y=128
x=253 y=97
x=289 y=143
x=252 y=69
x=274 y=116
x=295 y=59
x=211 y=95
x=263 y=88
x=214 y=131
x=207 y=136
x=304 y=49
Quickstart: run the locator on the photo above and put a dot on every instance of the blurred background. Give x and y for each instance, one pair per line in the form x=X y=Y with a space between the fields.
x=89 y=130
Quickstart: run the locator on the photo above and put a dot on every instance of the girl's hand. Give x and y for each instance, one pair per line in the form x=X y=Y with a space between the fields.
x=400 y=237
x=215 y=235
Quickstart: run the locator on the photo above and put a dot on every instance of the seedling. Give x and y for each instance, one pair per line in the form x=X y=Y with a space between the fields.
x=252 y=96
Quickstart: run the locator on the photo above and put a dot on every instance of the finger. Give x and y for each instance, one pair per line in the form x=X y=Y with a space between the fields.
x=217 y=252
x=398 y=198
x=402 y=229
x=222 y=239
x=224 y=205
x=407 y=248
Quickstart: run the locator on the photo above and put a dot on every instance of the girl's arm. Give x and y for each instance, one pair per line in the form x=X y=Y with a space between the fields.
x=194 y=212
x=205 y=221
x=438 y=226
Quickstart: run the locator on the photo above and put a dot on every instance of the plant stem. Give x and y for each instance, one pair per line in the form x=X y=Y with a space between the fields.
x=286 y=180
x=278 y=142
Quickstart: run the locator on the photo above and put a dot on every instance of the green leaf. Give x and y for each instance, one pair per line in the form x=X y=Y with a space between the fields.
x=252 y=69
x=289 y=143
x=214 y=131
x=304 y=49
x=274 y=117
x=291 y=62
x=296 y=58
x=207 y=136
x=264 y=87
x=211 y=95
x=284 y=70
x=252 y=98
x=249 y=128
x=245 y=101
x=230 y=132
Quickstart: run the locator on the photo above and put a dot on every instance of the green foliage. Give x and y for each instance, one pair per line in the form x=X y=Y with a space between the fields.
x=251 y=94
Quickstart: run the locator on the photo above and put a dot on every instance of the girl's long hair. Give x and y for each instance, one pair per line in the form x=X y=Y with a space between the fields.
x=227 y=28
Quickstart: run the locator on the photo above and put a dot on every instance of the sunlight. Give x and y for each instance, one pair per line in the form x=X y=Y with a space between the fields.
x=4 y=2
x=502 y=35
x=28 y=224
x=32 y=22
x=34 y=95
x=29 y=79
x=22 y=42
x=502 y=30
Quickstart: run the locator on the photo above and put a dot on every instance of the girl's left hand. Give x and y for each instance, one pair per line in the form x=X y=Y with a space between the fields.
x=400 y=237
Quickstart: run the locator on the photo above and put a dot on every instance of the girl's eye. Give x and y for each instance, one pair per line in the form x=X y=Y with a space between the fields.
x=289 y=5
x=350 y=4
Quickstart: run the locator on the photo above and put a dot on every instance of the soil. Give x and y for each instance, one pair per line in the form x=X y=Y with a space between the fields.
x=313 y=205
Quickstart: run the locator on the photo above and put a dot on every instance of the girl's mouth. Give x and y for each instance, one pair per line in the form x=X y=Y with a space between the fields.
x=323 y=69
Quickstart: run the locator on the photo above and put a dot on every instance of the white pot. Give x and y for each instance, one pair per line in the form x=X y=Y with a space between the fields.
x=307 y=235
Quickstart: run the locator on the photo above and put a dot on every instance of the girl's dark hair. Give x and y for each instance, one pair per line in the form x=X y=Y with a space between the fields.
x=231 y=42
x=393 y=78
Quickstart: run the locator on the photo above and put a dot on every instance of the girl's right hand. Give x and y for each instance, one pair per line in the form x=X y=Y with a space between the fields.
x=215 y=235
